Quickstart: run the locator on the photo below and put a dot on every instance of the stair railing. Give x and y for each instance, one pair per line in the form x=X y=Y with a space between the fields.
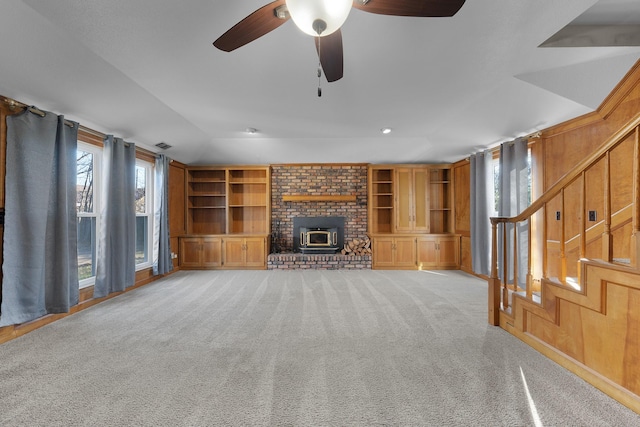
x=499 y=287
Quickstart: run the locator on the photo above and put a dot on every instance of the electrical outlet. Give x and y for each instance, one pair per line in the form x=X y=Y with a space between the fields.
x=557 y=215
x=592 y=216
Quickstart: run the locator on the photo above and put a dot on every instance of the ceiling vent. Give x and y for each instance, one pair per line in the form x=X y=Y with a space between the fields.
x=163 y=145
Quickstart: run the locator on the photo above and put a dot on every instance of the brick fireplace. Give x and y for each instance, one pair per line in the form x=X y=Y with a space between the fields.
x=319 y=182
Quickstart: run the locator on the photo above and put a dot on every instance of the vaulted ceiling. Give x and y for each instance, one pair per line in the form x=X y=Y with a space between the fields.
x=146 y=70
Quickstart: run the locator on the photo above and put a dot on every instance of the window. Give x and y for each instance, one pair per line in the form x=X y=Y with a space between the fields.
x=88 y=158
x=88 y=203
x=496 y=181
x=144 y=213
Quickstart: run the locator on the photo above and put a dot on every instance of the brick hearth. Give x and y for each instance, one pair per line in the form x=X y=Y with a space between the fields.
x=291 y=261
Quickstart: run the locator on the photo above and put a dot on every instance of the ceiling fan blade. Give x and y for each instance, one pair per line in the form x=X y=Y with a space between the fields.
x=330 y=53
x=419 y=8
x=252 y=27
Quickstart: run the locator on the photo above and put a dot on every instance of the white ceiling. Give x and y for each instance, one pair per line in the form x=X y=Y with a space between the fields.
x=146 y=70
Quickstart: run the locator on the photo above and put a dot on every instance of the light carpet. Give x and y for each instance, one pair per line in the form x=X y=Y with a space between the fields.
x=292 y=348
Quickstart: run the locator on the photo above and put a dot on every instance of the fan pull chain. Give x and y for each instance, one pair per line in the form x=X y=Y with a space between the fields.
x=319 y=69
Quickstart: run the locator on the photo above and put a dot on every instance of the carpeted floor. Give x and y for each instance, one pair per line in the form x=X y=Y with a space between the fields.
x=292 y=348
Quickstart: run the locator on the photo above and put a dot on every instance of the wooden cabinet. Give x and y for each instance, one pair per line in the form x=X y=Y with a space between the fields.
x=245 y=252
x=412 y=203
x=438 y=251
x=200 y=252
x=228 y=211
x=412 y=200
x=394 y=252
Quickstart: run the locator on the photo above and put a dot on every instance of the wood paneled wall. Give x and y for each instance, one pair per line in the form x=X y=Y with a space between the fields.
x=177 y=220
x=462 y=201
x=556 y=151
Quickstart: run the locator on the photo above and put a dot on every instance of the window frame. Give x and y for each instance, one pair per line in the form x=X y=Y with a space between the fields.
x=97 y=153
x=149 y=206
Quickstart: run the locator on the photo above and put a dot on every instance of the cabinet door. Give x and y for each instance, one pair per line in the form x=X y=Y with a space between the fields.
x=382 y=252
x=412 y=191
x=234 y=252
x=448 y=252
x=254 y=248
x=438 y=252
x=405 y=251
x=404 y=205
x=211 y=252
x=420 y=192
x=427 y=252
x=190 y=251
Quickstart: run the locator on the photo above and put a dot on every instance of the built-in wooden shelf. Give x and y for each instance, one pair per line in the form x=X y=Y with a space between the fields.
x=319 y=198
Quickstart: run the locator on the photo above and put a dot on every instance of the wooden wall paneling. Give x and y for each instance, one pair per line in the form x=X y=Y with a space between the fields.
x=462 y=209
x=177 y=219
x=462 y=196
x=621 y=170
x=5 y=110
x=597 y=327
x=3 y=162
x=465 y=254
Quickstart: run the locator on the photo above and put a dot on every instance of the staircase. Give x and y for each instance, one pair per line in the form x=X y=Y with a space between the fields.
x=580 y=304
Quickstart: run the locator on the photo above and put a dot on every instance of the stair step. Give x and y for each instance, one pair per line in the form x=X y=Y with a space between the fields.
x=572 y=282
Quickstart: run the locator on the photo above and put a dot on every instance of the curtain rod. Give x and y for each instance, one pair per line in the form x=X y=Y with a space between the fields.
x=13 y=104
x=495 y=149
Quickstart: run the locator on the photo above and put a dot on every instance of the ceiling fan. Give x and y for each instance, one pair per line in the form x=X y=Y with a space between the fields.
x=322 y=19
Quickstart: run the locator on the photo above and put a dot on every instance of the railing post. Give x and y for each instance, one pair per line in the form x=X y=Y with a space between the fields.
x=494 y=281
x=545 y=260
x=563 y=255
x=515 y=257
x=583 y=223
x=529 y=278
x=635 y=237
x=606 y=233
x=505 y=267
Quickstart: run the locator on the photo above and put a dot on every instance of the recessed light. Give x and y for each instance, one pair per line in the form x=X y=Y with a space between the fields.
x=251 y=130
x=385 y=130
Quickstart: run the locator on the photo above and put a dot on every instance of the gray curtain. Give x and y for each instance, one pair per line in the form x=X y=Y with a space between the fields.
x=40 y=268
x=116 y=259
x=162 y=262
x=513 y=199
x=481 y=206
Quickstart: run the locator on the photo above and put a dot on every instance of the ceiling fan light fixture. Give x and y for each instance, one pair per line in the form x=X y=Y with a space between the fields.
x=319 y=17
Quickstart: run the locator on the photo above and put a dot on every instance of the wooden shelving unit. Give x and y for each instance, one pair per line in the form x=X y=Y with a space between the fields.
x=206 y=201
x=411 y=216
x=223 y=202
x=381 y=200
x=440 y=200
x=248 y=201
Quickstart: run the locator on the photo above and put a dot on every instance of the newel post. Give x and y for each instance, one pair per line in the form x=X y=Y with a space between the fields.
x=494 y=281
